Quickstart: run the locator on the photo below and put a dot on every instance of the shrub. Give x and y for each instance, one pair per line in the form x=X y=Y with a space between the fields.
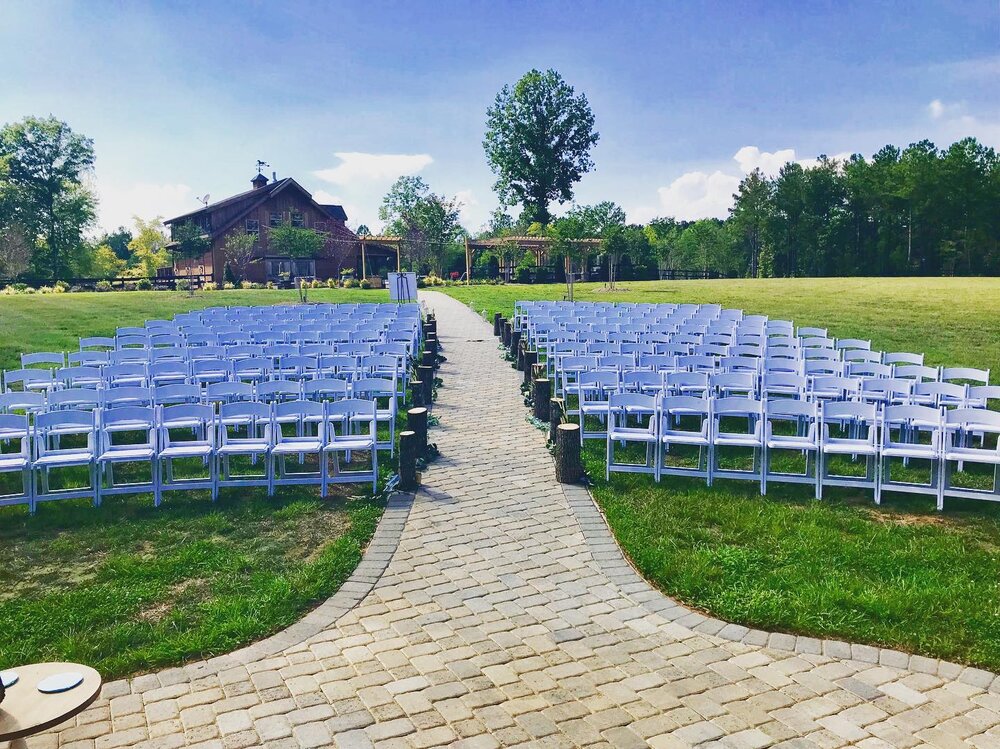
x=270 y=285
x=19 y=287
x=229 y=286
x=8 y=291
x=182 y=284
x=316 y=284
x=350 y=283
x=247 y=285
x=44 y=289
x=102 y=285
x=365 y=283
x=75 y=289
x=144 y=284
x=61 y=286
x=421 y=283
x=331 y=283
x=210 y=286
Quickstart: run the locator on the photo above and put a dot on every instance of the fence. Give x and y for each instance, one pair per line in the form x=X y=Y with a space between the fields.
x=159 y=283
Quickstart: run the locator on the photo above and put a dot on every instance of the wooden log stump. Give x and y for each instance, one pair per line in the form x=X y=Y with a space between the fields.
x=497 y=317
x=569 y=468
x=555 y=416
x=416 y=392
x=427 y=359
x=409 y=451
x=541 y=392
x=528 y=359
x=416 y=422
x=431 y=344
x=426 y=375
x=505 y=332
x=515 y=342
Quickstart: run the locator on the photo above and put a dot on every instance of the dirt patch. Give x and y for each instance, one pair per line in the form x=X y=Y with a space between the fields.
x=906 y=519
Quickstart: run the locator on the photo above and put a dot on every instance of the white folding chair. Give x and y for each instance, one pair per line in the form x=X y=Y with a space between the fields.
x=351 y=427
x=902 y=431
x=132 y=420
x=383 y=392
x=595 y=388
x=684 y=421
x=797 y=423
x=305 y=437
x=187 y=432
x=632 y=417
x=243 y=430
x=848 y=429
x=960 y=424
x=57 y=437
x=723 y=435
x=15 y=457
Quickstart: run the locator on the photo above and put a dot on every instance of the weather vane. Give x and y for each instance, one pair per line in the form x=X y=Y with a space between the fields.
x=261 y=165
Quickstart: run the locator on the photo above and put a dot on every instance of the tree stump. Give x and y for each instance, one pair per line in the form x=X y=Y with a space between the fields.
x=541 y=392
x=505 y=332
x=426 y=375
x=555 y=416
x=416 y=392
x=497 y=317
x=428 y=359
x=431 y=344
x=569 y=469
x=515 y=342
x=409 y=451
x=416 y=422
x=528 y=359
x=430 y=326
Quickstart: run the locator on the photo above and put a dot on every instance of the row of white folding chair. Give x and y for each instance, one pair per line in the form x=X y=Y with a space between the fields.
x=939 y=436
x=204 y=371
x=400 y=349
x=53 y=441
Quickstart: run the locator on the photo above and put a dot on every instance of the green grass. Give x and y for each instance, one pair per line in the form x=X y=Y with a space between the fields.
x=902 y=575
x=56 y=322
x=128 y=587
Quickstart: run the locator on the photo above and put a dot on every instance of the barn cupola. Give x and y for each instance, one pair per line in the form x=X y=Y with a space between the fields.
x=259 y=181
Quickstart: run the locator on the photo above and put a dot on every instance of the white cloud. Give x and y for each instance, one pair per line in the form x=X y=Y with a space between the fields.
x=118 y=204
x=471 y=213
x=697 y=195
x=357 y=167
x=751 y=157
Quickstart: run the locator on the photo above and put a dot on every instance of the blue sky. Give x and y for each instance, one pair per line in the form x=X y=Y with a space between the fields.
x=182 y=98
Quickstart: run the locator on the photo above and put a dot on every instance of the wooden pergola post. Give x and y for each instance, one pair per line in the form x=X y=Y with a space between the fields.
x=399 y=267
x=364 y=272
x=468 y=263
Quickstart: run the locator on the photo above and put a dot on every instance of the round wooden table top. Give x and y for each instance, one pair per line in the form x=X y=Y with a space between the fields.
x=26 y=711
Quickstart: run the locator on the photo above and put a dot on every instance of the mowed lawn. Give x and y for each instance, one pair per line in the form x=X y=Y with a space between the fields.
x=901 y=575
x=128 y=587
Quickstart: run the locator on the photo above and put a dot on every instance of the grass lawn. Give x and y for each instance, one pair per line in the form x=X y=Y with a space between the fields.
x=902 y=575
x=127 y=587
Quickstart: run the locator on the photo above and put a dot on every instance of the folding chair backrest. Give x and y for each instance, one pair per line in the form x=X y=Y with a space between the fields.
x=47 y=358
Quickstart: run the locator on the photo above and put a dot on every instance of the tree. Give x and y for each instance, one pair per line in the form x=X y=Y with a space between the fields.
x=105 y=263
x=239 y=250
x=148 y=247
x=605 y=220
x=294 y=241
x=428 y=223
x=749 y=217
x=190 y=243
x=118 y=241
x=45 y=165
x=565 y=233
x=15 y=252
x=363 y=231
x=538 y=140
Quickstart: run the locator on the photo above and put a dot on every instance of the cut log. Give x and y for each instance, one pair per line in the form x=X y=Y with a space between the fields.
x=555 y=416
x=428 y=359
x=505 y=332
x=409 y=451
x=528 y=358
x=426 y=375
x=541 y=392
x=416 y=422
x=416 y=392
x=515 y=342
x=569 y=469
x=431 y=344
x=497 y=317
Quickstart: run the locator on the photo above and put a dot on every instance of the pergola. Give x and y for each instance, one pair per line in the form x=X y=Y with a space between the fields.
x=387 y=241
x=540 y=246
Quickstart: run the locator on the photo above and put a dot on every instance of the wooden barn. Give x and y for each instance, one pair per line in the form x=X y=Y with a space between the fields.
x=271 y=203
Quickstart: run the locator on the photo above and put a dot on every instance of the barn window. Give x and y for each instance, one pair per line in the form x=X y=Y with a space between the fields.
x=276 y=218
x=298 y=219
x=253 y=226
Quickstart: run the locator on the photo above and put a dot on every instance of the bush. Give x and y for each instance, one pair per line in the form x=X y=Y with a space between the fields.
x=144 y=284
x=61 y=286
x=332 y=283
x=270 y=285
x=246 y=285
x=316 y=284
x=8 y=291
x=102 y=286
x=523 y=275
x=44 y=289
x=421 y=283
x=229 y=286
x=365 y=283
x=19 y=287
x=350 y=283
x=76 y=289
x=131 y=286
x=182 y=284
x=210 y=286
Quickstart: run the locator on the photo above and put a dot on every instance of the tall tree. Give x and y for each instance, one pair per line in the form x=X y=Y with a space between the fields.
x=749 y=218
x=428 y=223
x=45 y=166
x=539 y=134
x=148 y=247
